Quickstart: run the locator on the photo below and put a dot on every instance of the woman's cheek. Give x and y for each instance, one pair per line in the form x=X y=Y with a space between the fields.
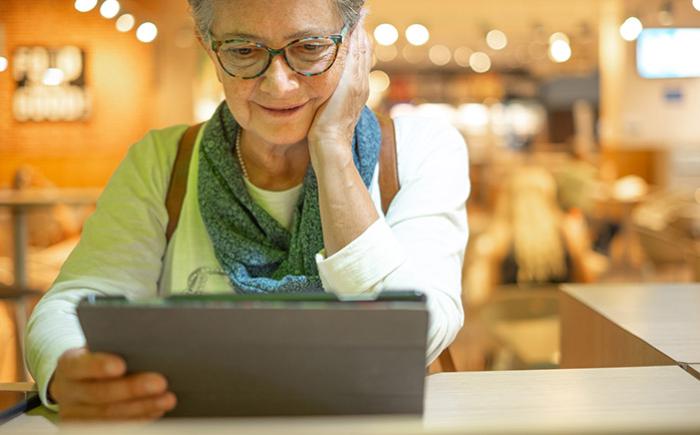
x=239 y=106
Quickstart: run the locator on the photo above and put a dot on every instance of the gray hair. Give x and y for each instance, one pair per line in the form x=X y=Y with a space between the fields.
x=203 y=14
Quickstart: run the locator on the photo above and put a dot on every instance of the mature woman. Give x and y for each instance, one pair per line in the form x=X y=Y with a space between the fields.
x=282 y=196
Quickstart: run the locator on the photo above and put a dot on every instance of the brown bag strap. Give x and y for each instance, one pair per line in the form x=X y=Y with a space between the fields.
x=178 y=178
x=388 y=168
x=388 y=172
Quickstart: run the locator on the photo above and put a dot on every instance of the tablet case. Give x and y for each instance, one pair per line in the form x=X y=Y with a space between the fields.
x=270 y=358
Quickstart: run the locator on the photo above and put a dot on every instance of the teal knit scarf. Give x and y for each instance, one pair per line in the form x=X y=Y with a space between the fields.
x=254 y=250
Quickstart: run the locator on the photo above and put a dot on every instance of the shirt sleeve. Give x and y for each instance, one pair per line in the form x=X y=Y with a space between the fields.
x=420 y=243
x=119 y=253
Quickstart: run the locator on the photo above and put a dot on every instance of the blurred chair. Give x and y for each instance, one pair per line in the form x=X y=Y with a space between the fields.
x=666 y=252
x=667 y=226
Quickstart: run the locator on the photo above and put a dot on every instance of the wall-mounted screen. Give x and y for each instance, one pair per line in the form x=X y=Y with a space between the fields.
x=669 y=53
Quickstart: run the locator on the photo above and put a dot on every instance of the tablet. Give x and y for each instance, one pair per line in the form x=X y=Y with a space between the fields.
x=274 y=354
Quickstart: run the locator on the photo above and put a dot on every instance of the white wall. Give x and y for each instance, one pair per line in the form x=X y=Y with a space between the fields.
x=638 y=115
x=648 y=118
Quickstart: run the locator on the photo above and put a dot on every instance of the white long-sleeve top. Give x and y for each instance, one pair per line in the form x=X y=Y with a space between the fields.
x=419 y=244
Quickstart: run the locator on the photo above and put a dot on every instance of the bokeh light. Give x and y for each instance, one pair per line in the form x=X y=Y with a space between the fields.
x=147 y=32
x=417 y=34
x=386 y=34
x=85 y=5
x=480 y=62
x=631 y=28
x=496 y=39
x=126 y=22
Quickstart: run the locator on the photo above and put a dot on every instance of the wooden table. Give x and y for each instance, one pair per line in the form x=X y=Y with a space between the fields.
x=694 y=370
x=20 y=202
x=625 y=325
x=613 y=400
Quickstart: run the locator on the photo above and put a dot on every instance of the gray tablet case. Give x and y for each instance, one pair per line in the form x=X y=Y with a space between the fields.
x=271 y=358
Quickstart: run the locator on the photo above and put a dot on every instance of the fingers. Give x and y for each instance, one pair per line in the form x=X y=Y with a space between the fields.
x=366 y=50
x=94 y=386
x=361 y=45
x=80 y=364
x=118 y=390
x=142 y=409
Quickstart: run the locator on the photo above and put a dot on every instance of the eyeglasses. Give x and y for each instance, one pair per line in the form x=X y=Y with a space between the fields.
x=306 y=56
x=197 y=280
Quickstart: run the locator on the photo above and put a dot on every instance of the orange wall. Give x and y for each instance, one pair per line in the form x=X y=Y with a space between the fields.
x=120 y=75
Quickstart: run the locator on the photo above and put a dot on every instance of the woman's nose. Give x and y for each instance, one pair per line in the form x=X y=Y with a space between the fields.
x=279 y=79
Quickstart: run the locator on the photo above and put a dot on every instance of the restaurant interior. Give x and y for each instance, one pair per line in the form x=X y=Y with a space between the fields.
x=580 y=115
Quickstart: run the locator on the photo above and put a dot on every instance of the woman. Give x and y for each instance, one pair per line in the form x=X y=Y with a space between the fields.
x=531 y=241
x=282 y=196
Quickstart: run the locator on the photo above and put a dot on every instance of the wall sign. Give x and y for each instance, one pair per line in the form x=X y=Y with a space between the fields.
x=50 y=84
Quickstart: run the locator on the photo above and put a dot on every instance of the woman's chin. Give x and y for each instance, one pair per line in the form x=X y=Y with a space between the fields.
x=283 y=134
x=284 y=138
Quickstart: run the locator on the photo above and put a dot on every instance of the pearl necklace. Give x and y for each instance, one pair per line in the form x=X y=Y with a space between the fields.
x=240 y=156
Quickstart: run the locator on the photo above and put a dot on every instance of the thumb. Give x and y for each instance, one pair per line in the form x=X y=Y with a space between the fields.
x=81 y=364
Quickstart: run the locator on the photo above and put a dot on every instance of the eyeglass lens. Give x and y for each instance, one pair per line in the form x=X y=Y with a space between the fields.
x=310 y=56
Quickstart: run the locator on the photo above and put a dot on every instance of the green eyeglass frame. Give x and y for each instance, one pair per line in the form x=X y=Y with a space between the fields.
x=272 y=52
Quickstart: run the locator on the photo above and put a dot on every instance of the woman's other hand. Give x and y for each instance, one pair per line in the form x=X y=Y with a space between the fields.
x=575 y=231
x=95 y=386
x=334 y=124
x=588 y=265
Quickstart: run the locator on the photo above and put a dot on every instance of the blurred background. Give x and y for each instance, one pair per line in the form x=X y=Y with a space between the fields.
x=580 y=117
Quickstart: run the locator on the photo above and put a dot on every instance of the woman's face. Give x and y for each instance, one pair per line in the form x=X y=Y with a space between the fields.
x=255 y=103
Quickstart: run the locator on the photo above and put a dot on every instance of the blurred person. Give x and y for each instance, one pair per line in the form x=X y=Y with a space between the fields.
x=282 y=196
x=48 y=226
x=531 y=240
x=579 y=186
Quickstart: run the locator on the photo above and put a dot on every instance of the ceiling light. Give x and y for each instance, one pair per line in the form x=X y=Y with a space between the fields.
x=3 y=63
x=125 y=23
x=146 y=32
x=631 y=28
x=440 y=55
x=417 y=34
x=85 y=5
x=560 y=51
x=496 y=39
x=480 y=62
x=696 y=5
x=386 y=34
x=559 y=36
x=110 y=9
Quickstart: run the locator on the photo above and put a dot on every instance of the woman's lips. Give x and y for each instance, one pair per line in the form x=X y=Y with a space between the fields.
x=282 y=111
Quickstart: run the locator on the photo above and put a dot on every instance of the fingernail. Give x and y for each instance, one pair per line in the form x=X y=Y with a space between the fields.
x=154 y=386
x=113 y=367
x=166 y=402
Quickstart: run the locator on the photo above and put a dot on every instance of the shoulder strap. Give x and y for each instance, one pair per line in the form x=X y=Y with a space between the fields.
x=388 y=171
x=388 y=168
x=178 y=178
